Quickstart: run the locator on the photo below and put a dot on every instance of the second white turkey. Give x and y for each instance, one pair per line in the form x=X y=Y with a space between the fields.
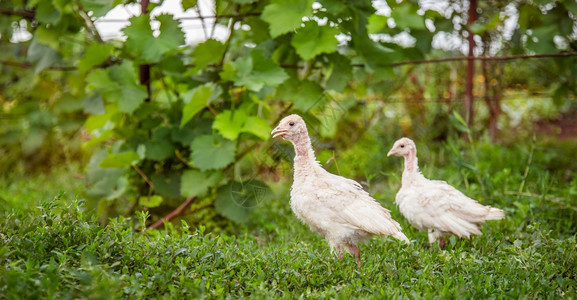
x=435 y=206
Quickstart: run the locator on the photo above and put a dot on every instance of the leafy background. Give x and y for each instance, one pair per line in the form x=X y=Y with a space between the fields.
x=147 y=127
x=160 y=120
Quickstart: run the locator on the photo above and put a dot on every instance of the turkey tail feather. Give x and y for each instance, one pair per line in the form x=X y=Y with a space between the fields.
x=495 y=214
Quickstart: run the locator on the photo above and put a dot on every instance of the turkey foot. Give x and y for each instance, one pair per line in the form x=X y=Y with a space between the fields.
x=356 y=252
x=442 y=243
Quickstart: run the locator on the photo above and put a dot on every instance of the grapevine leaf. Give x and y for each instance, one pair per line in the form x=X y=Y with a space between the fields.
x=258 y=127
x=244 y=1
x=95 y=54
x=406 y=16
x=48 y=13
x=130 y=98
x=98 y=8
x=120 y=160
x=305 y=95
x=42 y=56
x=160 y=146
x=212 y=152
x=256 y=71
x=339 y=72
x=208 y=52
x=140 y=40
x=142 y=43
x=198 y=99
x=167 y=185
x=104 y=182
x=334 y=7
x=377 y=23
x=171 y=36
x=118 y=85
x=195 y=183
x=230 y=124
x=188 y=4
x=150 y=201
x=313 y=40
x=286 y=15
x=48 y=36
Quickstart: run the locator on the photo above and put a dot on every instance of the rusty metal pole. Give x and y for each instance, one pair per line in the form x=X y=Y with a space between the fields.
x=470 y=64
x=144 y=70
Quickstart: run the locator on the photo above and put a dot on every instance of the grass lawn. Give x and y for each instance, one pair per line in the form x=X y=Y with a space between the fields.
x=50 y=247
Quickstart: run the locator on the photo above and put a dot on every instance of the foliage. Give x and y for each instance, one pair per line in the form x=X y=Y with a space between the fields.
x=52 y=248
x=165 y=120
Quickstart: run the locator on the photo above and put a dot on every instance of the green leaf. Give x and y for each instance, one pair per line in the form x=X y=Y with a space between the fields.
x=529 y=16
x=160 y=146
x=406 y=16
x=42 y=56
x=120 y=160
x=198 y=99
x=48 y=13
x=305 y=95
x=95 y=55
x=236 y=200
x=459 y=122
x=142 y=43
x=255 y=71
x=195 y=183
x=212 y=152
x=377 y=23
x=257 y=126
x=101 y=121
x=339 y=72
x=571 y=6
x=140 y=40
x=209 y=52
x=68 y=103
x=48 y=36
x=313 y=40
x=108 y=183
x=244 y=1
x=98 y=8
x=185 y=135
x=167 y=185
x=286 y=15
x=334 y=7
x=230 y=124
x=188 y=4
x=150 y=201
x=171 y=36
x=118 y=85
x=544 y=43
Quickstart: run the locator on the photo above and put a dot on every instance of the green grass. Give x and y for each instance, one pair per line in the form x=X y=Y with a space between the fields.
x=50 y=247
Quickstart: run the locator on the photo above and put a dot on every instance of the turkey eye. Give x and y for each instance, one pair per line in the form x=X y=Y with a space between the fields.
x=402 y=146
x=292 y=123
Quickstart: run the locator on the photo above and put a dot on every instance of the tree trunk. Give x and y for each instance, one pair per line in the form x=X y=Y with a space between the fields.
x=492 y=97
x=470 y=64
x=144 y=70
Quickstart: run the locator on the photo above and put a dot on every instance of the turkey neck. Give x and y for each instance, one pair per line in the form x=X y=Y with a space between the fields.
x=305 y=156
x=411 y=171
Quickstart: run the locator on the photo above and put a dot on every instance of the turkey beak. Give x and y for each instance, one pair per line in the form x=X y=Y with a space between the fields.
x=278 y=132
x=392 y=152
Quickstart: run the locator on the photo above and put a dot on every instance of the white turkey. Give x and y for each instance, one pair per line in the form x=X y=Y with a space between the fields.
x=336 y=207
x=434 y=205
